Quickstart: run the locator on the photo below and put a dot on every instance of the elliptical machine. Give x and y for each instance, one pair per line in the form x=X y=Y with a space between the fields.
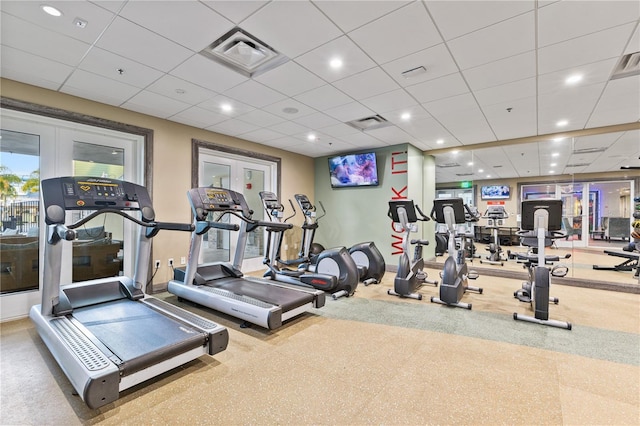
x=455 y=274
x=495 y=216
x=541 y=224
x=368 y=259
x=410 y=275
x=334 y=270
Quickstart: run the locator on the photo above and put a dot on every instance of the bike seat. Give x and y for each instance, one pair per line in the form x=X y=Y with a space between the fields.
x=420 y=242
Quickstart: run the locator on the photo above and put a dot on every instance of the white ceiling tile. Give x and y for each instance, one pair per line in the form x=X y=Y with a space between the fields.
x=499 y=41
x=188 y=23
x=111 y=5
x=429 y=131
x=255 y=94
x=153 y=104
x=519 y=122
x=96 y=17
x=260 y=118
x=462 y=117
x=207 y=73
x=233 y=127
x=596 y=141
x=391 y=135
x=22 y=35
x=180 y=90
x=415 y=112
x=216 y=104
x=596 y=72
x=366 y=84
x=507 y=92
x=92 y=86
x=288 y=128
x=620 y=103
x=149 y=48
x=236 y=11
x=316 y=121
x=349 y=15
x=22 y=66
x=570 y=19
x=279 y=108
x=440 y=88
x=348 y=112
x=389 y=101
x=198 y=117
x=573 y=104
x=339 y=130
x=354 y=60
x=323 y=98
x=413 y=30
x=584 y=50
x=261 y=135
x=363 y=140
x=291 y=27
x=634 y=44
x=290 y=79
x=436 y=60
x=107 y=64
x=503 y=71
x=456 y=18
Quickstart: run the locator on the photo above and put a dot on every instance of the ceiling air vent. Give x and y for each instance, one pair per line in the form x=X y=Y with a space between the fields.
x=589 y=150
x=627 y=66
x=447 y=165
x=464 y=174
x=369 y=123
x=244 y=53
x=578 y=165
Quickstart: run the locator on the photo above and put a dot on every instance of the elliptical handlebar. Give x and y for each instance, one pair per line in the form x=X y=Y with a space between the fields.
x=552 y=235
x=324 y=212
x=292 y=208
x=424 y=218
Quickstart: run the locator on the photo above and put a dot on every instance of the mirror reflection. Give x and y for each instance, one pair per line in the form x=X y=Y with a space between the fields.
x=584 y=172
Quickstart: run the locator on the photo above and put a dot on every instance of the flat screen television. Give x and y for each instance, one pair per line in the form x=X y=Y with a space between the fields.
x=353 y=170
x=495 y=192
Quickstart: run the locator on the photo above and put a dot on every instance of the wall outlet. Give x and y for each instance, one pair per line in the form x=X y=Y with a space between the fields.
x=183 y=260
x=170 y=262
x=157 y=264
x=286 y=247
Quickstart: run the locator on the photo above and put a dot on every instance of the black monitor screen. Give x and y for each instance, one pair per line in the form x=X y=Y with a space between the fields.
x=456 y=203
x=553 y=207
x=408 y=206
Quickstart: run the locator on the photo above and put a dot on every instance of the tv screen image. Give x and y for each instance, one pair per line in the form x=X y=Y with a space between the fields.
x=353 y=170
x=495 y=192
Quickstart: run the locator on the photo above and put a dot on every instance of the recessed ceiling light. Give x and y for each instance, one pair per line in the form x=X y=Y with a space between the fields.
x=114 y=152
x=553 y=164
x=405 y=116
x=336 y=63
x=470 y=163
x=311 y=137
x=481 y=171
x=573 y=79
x=50 y=10
x=455 y=152
x=439 y=141
x=555 y=154
x=488 y=176
x=226 y=107
x=562 y=123
x=558 y=139
x=551 y=172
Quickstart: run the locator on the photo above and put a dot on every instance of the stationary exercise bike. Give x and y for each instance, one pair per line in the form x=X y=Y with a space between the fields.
x=495 y=216
x=541 y=224
x=454 y=275
x=410 y=275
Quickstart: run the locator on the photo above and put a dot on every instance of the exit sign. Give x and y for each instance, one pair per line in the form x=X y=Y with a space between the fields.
x=465 y=184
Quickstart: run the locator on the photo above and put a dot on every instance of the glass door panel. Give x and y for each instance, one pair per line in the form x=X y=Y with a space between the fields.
x=216 y=244
x=254 y=182
x=19 y=211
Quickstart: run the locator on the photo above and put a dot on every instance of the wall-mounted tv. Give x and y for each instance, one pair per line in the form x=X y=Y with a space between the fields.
x=353 y=170
x=495 y=192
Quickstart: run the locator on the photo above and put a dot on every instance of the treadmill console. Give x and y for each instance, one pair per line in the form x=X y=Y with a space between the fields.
x=213 y=199
x=92 y=193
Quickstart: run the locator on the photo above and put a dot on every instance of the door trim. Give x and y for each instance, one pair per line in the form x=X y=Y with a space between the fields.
x=197 y=144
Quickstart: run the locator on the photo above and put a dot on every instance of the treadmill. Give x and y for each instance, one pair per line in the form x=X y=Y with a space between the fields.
x=221 y=285
x=106 y=334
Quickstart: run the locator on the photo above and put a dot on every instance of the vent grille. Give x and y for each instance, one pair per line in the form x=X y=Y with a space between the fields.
x=578 y=165
x=369 y=123
x=627 y=66
x=244 y=53
x=588 y=150
x=464 y=174
x=447 y=165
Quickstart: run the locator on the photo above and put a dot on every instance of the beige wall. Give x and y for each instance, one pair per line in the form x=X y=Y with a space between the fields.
x=171 y=161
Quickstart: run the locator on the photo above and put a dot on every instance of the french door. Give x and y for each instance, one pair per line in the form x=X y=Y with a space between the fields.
x=248 y=176
x=34 y=148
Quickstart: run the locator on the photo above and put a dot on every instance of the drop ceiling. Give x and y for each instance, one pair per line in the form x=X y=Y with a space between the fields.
x=493 y=71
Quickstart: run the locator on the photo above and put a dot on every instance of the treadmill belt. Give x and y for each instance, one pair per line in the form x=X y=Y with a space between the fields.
x=287 y=299
x=137 y=334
